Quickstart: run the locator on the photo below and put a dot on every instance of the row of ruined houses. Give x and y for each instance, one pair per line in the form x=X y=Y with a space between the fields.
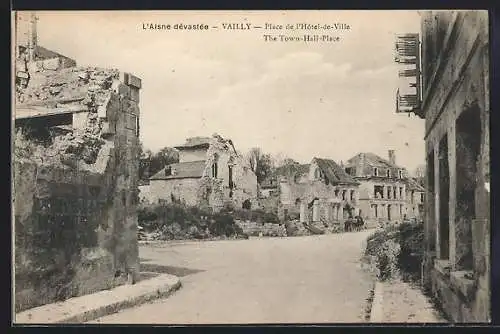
x=211 y=174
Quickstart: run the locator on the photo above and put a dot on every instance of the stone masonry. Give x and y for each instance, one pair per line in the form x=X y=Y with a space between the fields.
x=210 y=174
x=456 y=109
x=75 y=182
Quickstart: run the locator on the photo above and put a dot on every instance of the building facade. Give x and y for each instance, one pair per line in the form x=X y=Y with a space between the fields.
x=210 y=173
x=319 y=192
x=382 y=190
x=415 y=201
x=455 y=105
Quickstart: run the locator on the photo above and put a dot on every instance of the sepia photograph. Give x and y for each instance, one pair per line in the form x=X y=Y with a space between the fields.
x=250 y=167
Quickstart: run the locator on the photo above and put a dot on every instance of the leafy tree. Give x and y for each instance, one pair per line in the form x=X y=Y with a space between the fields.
x=151 y=163
x=261 y=164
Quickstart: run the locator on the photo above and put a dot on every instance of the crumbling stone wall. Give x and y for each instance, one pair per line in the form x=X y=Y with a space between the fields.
x=244 y=186
x=462 y=84
x=75 y=192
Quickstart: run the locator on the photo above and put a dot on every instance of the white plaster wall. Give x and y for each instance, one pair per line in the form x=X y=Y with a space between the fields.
x=182 y=189
x=192 y=155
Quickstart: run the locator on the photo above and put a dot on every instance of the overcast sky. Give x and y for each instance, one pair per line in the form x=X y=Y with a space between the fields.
x=329 y=100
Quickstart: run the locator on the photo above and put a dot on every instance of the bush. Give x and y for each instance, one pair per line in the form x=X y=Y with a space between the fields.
x=411 y=239
x=270 y=217
x=177 y=221
x=397 y=249
x=384 y=247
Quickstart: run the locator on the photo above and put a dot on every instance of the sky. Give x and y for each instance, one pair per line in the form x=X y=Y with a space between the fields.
x=294 y=99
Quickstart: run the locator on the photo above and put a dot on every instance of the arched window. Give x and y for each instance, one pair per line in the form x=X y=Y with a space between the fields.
x=215 y=167
x=317 y=174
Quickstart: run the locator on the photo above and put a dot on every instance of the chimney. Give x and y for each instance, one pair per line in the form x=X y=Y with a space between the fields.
x=32 y=37
x=392 y=157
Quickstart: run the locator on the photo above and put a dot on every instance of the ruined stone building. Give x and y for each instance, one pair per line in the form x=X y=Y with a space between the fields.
x=455 y=105
x=415 y=200
x=75 y=173
x=382 y=190
x=453 y=98
x=210 y=173
x=319 y=192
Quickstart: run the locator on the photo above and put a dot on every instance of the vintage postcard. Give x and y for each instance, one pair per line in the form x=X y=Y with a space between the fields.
x=251 y=167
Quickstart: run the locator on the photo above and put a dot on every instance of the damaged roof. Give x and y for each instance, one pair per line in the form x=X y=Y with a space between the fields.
x=288 y=170
x=333 y=172
x=412 y=184
x=195 y=142
x=182 y=170
x=293 y=169
x=372 y=159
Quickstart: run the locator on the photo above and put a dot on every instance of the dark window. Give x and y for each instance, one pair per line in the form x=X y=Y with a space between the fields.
x=375 y=171
x=247 y=204
x=431 y=202
x=231 y=177
x=468 y=143
x=444 y=197
x=351 y=171
x=214 y=169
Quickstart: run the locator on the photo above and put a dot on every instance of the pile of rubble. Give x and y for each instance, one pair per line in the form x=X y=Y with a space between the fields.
x=262 y=229
x=86 y=87
x=86 y=84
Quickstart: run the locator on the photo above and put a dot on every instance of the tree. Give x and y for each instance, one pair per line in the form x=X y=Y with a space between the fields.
x=151 y=163
x=289 y=161
x=261 y=164
x=144 y=162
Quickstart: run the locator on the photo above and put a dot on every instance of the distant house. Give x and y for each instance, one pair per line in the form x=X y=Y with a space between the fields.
x=415 y=200
x=210 y=173
x=290 y=171
x=382 y=191
x=318 y=192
